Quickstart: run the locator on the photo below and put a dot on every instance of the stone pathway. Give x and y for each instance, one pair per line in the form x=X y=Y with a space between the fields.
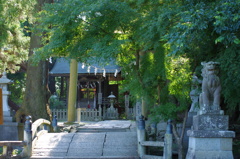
x=90 y=145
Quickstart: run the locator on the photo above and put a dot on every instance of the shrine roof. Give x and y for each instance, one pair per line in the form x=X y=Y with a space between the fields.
x=62 y=68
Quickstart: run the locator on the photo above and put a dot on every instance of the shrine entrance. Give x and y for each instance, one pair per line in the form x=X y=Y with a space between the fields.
x=87 y=95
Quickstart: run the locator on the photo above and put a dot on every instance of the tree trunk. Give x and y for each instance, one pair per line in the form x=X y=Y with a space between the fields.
x=37 y=93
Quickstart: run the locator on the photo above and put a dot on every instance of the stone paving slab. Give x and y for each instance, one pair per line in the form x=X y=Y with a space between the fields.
x=55 y=138
x=52 y=150
x=85 y=144
x=49 y=152
x=89 y=137
x=85 y=153
x=122 y=139
x=120 y=152
x=120 y=144
x=51 y=145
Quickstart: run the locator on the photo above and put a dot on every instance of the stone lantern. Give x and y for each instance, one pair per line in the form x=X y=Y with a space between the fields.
x=112 y=113
x=111 y=99
x=4 y=81
x=9 y=129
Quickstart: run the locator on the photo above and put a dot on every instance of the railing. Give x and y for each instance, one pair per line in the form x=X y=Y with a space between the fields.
x=31 y=134
x=142 y=144
x=39 y=127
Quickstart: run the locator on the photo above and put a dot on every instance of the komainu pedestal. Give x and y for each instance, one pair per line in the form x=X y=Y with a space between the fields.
x=210 y=138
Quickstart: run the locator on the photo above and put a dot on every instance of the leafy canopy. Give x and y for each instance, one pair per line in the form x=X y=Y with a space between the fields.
x=13 y=42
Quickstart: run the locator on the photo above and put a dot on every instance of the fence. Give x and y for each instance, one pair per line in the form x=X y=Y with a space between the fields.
x=91 y=114
x=111 y=113
x=86 y=114
x=60 y=113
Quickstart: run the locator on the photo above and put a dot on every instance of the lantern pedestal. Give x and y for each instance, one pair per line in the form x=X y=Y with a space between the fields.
x=9 y=131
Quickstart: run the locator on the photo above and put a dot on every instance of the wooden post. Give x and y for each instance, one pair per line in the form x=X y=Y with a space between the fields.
x=72 y=96
x=167 y=153
x=144 y=108
x=100 y=99
x=141 y=134
x=1 y=107
x=28 y=136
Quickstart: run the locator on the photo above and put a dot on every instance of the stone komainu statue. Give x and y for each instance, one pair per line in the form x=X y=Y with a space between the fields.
x=210 y=96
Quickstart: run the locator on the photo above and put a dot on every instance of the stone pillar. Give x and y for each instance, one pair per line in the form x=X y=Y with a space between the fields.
x=194 y=96
x=100 y=99
x=138 y=110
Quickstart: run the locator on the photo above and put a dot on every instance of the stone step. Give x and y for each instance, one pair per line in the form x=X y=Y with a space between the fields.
x=152 y=143
x=96 y=130
x=152 y=157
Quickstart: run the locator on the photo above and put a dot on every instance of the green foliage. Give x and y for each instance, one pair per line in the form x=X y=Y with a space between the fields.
x=221 y=17
x=166 y=111
x=145 y=80
x=13 y=43
x=179 y=77
x=17 y=88
x=88 y=29
x=230 y=76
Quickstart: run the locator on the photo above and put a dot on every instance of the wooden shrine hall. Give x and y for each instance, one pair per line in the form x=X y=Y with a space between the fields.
x=93 y=85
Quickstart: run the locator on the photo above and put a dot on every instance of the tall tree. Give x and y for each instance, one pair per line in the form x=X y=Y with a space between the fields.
x=37 y=93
